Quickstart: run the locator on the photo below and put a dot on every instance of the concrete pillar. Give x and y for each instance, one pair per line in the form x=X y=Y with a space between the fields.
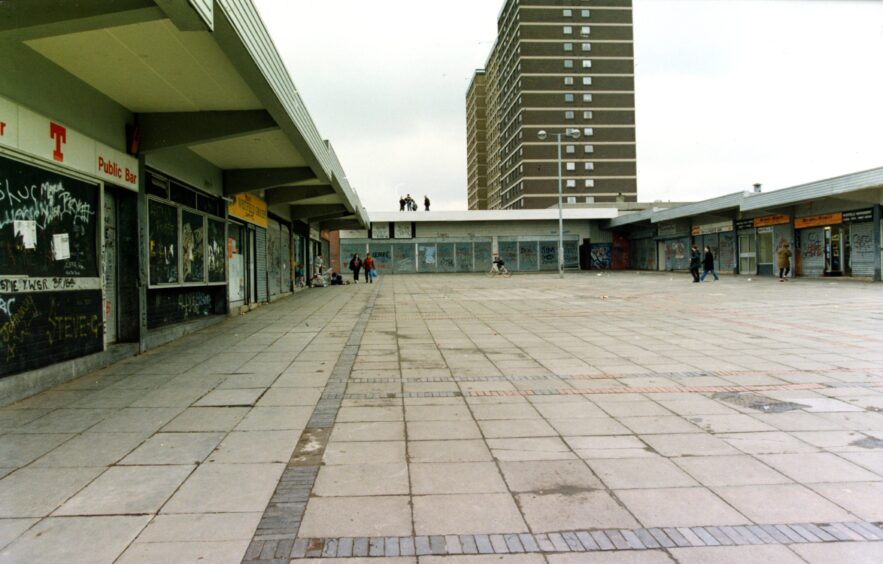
x=143 y=256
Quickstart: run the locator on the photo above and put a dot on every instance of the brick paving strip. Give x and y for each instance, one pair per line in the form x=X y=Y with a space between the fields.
x=588 y=541
x=277 y=531
x=595 y=391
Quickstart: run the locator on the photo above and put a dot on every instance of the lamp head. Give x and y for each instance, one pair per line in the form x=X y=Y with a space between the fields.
x=542 y=135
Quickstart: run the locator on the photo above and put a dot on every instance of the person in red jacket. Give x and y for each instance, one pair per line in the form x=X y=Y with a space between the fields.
x=368 y=264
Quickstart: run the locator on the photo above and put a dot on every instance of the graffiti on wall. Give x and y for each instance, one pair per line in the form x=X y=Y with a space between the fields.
x=43 y=328
x=601 y=255
x=47 y=222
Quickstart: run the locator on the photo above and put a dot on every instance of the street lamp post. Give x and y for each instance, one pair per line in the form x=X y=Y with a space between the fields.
x=572 y=133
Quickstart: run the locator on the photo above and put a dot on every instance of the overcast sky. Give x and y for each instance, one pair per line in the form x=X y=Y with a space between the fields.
x=729 y=92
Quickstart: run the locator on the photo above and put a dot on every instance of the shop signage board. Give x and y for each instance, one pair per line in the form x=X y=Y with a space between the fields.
x=249 y=208
x=857 y=216
x=711 y=228
x=41 y=137
x=769 y=220
x=744 y=224
x=673 y=230
x=818 y=220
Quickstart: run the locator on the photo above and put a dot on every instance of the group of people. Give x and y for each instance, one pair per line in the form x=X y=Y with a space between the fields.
x=706 y=261
x=407 y=203
x=357 y=265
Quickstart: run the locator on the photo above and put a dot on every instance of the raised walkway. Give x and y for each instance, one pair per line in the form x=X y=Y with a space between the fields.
x=618 y=418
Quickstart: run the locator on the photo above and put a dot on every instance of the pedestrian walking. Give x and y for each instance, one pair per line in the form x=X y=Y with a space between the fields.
x=402 y=204
x=708 y=265
x=356 y=266
x=368 y=265
x=426 y=202
x=784 y=262
x=695 y=262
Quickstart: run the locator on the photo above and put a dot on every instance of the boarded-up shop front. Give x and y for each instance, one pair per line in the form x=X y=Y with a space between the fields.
x=278 y=258
x=720 y=238
x=643 y=254
x=673 y=244
x=837 y=244
x=186 y=246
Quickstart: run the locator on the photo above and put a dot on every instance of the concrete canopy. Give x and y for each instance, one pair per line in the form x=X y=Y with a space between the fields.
x=216 y=86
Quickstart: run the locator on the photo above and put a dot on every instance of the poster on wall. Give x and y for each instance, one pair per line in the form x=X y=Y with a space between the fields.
x=193 y=246
x=380 y=230
x=403 y=230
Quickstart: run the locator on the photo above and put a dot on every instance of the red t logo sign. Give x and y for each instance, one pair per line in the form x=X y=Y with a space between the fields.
x=58 y=133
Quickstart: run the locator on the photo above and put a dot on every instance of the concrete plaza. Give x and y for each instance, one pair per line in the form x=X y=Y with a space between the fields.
x=618 y=418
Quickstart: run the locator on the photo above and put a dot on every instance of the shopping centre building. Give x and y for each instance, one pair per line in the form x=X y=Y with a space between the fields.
x=158 y=170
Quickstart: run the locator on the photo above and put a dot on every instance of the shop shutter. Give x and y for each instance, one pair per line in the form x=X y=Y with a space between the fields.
x=862 y=254
x=261 y=256
x=726 y=253
x=274 y=258
x=285 y=259
x=812 y=252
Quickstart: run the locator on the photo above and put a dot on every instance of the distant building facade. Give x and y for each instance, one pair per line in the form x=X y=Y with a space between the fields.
x=476 y=141
x=556 y=65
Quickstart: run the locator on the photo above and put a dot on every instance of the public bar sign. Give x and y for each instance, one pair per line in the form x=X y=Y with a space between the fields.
x=250 y=208
x=36 y=135
x=818 y=220
x=769 y=220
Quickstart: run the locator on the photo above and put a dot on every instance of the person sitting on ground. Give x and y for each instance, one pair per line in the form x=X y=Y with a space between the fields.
x=336 y=279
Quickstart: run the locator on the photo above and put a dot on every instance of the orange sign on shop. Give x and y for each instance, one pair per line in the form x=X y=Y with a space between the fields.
x=818 y=220
x=771 y=220
x=250 y=208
